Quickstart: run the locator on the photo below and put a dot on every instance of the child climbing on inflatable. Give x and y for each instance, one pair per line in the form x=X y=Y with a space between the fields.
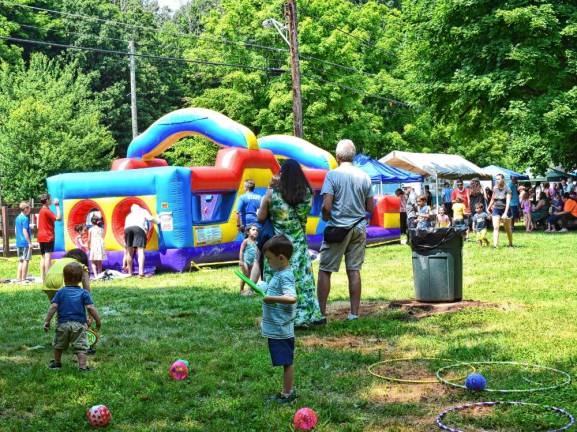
x=81 y=240
x=96 y=245
x=247 y=255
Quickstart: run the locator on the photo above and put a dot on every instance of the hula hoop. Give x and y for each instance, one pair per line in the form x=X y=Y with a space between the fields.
x=407 y=381
x=556 y=410
x=92 y=336
x=566 y=381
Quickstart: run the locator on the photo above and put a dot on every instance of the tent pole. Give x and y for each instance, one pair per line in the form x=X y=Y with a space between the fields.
x=437 y=191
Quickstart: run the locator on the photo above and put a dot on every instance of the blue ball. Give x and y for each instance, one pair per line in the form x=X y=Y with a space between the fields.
x=476 y=382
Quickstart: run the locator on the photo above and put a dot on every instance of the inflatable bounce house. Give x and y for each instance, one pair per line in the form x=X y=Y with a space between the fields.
x=196 y=205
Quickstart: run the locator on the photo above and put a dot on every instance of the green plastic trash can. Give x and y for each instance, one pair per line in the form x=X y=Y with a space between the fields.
x=438 y=264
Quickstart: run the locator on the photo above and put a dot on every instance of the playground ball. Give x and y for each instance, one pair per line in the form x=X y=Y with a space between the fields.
x=476 y=382
x=179 y=370
x=99 y=416
x=305 y=419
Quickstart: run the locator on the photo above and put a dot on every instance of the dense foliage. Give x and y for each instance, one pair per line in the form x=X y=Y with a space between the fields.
x=495 y=81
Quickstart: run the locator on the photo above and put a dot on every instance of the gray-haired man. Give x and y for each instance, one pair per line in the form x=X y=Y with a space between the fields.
x=347 y=197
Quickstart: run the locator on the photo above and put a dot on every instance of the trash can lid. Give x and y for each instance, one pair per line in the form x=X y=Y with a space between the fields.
x=433 y=238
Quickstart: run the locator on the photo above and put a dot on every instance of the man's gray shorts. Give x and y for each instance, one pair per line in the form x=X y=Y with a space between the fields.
x=352 y=247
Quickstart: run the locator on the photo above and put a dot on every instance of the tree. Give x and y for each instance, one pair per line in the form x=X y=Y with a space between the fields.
x=51 y=123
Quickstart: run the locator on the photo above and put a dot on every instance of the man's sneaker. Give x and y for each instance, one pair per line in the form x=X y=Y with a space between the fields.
x=564 y=230
x=352 y=317
x=283 y=399
x=54 y=366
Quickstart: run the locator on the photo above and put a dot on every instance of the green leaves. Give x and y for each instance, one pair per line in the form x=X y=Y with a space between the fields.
x=51 y=123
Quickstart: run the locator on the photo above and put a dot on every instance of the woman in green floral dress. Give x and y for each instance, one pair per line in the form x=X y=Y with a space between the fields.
x=288 y=206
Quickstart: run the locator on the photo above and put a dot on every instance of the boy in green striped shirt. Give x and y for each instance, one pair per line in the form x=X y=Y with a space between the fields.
x=279 y=312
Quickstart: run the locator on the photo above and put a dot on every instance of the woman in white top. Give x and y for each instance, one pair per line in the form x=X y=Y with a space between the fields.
x=136 y=227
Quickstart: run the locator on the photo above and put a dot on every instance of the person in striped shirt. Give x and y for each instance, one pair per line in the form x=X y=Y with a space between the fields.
x=279 y=312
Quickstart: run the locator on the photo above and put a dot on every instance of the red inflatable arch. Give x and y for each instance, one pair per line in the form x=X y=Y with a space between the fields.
x=78 y=214
x=119 y=216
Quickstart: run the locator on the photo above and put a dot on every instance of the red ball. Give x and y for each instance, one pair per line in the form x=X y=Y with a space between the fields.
x=305 y=419
x=98 y=416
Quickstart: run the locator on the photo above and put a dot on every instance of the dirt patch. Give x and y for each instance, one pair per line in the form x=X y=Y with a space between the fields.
x=360 y=344
x=414 y=309
x=418 y=310
x=406 y=393
x=340 y=310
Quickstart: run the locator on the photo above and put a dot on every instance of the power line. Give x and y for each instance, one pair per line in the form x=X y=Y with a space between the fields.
x=52 y=29
x=148 y=56
x=248 y=45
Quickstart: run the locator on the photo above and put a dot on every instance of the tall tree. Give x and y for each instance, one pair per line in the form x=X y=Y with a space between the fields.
x=51 y=123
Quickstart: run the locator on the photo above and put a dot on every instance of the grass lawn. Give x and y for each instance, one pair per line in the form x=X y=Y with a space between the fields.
x=147 y=324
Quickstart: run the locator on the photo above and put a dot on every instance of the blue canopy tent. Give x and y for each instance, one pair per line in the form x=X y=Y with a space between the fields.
x=494 y=170
x=381 y=173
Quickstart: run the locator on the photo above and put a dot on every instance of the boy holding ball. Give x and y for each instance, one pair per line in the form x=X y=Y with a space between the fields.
x=279 y=312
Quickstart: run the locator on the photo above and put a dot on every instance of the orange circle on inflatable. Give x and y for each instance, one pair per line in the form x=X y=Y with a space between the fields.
x=121 y=210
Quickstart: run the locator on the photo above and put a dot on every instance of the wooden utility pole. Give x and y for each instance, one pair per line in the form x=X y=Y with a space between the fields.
x=291 y=13
x=134 y=111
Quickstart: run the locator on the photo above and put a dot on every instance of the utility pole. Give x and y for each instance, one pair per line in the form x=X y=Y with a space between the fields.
x=134 y=112
x=291 y=13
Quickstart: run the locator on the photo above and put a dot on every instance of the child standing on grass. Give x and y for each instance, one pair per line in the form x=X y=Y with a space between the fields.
x=526 y=207
x=480 y=224
x=423 y=213
x=279 y=313
x=443 y=220
x=23 y=241
x=247 y=255
x=96 y=245
x=458 y=212
x=70 y=303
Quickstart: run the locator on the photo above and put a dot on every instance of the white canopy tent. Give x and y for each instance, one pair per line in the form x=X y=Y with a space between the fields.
x=436 y=166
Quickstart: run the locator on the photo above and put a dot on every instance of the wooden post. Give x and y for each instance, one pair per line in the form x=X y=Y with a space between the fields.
x=291 y=12
x=5 y=234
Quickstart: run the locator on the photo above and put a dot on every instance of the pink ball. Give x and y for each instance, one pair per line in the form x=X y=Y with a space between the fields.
x=305 y=419
x=98 y=416
x=179 y=370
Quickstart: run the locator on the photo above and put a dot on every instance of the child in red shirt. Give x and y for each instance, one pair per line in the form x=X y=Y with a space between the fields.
x=46 y=221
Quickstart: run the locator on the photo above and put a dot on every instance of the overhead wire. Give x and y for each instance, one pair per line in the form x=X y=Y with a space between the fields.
x=149 y=56
x=245 y=44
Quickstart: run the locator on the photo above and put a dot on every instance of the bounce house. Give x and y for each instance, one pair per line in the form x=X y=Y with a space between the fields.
x=196 y=205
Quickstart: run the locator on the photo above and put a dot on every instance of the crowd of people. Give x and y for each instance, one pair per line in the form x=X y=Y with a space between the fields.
x=552 y=206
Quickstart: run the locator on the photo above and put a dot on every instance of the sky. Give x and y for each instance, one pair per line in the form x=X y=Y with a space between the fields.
x=172 y=4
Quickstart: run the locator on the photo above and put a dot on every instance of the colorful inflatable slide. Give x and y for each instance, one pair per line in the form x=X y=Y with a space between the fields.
x=196 y=205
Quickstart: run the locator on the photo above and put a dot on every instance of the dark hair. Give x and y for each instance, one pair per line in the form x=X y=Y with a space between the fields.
x=78 y=228
x=44 y=198
x=279 y=245
x=293 y=185
x=566 y=195
x=399 y=191
x=249 y=184
x=479 y=205
x=72 y=274
x=79 y=255
x=427 y=187
x=94 y=219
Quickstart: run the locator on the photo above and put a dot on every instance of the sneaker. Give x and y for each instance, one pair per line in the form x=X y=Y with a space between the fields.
x=564 y=230
x=352 y=317
x=283 y=399
x=320 y=322
x=90 y=351
x=54 y=365
x=86 y=369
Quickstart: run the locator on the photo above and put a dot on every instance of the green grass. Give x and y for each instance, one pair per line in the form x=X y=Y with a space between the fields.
x=147 y=324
